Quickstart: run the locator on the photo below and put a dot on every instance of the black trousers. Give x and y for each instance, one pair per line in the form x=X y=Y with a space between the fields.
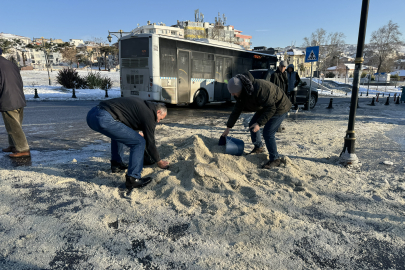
x=293 y=98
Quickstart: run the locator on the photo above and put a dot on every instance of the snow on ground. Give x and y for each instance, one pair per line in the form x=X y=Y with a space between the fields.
x=372 y=90
x=215 y=211
x=39 y=80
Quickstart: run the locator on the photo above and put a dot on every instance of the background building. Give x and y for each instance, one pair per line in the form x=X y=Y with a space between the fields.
x=160 y=29
x=76 y=42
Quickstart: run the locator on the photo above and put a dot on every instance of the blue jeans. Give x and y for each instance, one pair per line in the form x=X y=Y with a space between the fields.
x=101 y=121
x=269 y=134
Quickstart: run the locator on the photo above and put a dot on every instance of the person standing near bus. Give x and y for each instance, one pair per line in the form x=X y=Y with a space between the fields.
x=293 y=81
x=12 y=103
x=120 y=119
x=271 y=105
x=279 y=77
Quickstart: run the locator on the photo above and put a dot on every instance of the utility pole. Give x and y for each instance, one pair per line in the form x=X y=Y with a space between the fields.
x=348 y=155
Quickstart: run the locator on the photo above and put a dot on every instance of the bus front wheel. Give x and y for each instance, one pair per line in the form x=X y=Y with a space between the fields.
x=200 y=99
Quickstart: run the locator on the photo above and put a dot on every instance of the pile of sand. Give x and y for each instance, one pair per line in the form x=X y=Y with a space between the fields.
x=232 y=192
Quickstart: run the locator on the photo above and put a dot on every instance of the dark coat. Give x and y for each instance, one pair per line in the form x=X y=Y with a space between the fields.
x=137 y=114
x=267 y=99
x=280 y=79
x=11 y=87
x=293 y=79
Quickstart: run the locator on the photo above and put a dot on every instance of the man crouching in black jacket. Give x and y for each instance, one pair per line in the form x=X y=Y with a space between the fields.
x=119 y=119
x=271 y=105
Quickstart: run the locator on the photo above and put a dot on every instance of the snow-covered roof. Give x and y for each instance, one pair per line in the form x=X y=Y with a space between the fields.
x=399 y=72
x=217 y=42
x=295 y=52
x=351 y=67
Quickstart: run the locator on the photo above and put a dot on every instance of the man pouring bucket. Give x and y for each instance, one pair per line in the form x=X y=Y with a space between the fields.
x=271 y=105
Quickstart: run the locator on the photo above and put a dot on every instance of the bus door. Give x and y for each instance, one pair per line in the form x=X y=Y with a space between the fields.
x=183 y=78
x=223 y=73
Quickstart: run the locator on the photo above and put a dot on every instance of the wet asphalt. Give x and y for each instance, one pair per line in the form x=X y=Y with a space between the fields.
x=61 y=125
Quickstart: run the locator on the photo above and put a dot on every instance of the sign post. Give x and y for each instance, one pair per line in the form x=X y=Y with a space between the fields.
x=311 y=55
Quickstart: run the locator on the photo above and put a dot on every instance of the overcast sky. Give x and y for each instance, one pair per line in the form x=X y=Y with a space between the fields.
x=271 y=23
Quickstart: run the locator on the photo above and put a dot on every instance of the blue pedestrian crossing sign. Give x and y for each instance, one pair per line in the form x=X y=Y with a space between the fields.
x=312 y=54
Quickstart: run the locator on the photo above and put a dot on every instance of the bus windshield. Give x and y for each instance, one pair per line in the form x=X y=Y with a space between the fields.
x=135 y=47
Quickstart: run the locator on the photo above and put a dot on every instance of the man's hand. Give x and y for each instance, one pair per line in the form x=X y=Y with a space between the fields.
x=141 y=133
x=226 y=132
x=255 y=127
x=163 y=164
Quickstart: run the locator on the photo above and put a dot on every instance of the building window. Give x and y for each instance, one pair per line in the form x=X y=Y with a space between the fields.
x=151 y=31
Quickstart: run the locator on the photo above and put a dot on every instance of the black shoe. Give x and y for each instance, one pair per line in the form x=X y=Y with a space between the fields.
x=117 y=167
x=136 y=183
x=257 y=150
x=272 y=164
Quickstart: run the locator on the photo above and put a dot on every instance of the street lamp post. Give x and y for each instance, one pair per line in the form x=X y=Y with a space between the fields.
x=120 y=32
x=348 y=155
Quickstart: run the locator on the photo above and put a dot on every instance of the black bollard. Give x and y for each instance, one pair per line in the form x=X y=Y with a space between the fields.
x=330 y=104
x=388 y=101
x=36 y=93
x=361 y=94
x=372 y=102
x=397 y=102
x=346 y=93
x=74 y=93
x=358 y=104
x=367 y=94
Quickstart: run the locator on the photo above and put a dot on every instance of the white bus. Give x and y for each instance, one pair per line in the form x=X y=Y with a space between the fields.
x=180 y=71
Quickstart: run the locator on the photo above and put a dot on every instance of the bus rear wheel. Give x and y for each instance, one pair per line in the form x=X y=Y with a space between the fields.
x=200 y=99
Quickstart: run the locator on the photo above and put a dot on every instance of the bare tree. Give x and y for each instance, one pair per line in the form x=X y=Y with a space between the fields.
x=317 y=38
x=384 y=44
x=108 y=50
x=98 y=40
x=69 y=55
x=217 y=32
x=330 y=45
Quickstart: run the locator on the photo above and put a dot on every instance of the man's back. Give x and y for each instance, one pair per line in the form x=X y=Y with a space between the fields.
x=280 y=79
x=11 y=86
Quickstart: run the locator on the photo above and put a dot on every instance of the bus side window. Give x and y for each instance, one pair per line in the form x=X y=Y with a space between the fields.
x=238 y=66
